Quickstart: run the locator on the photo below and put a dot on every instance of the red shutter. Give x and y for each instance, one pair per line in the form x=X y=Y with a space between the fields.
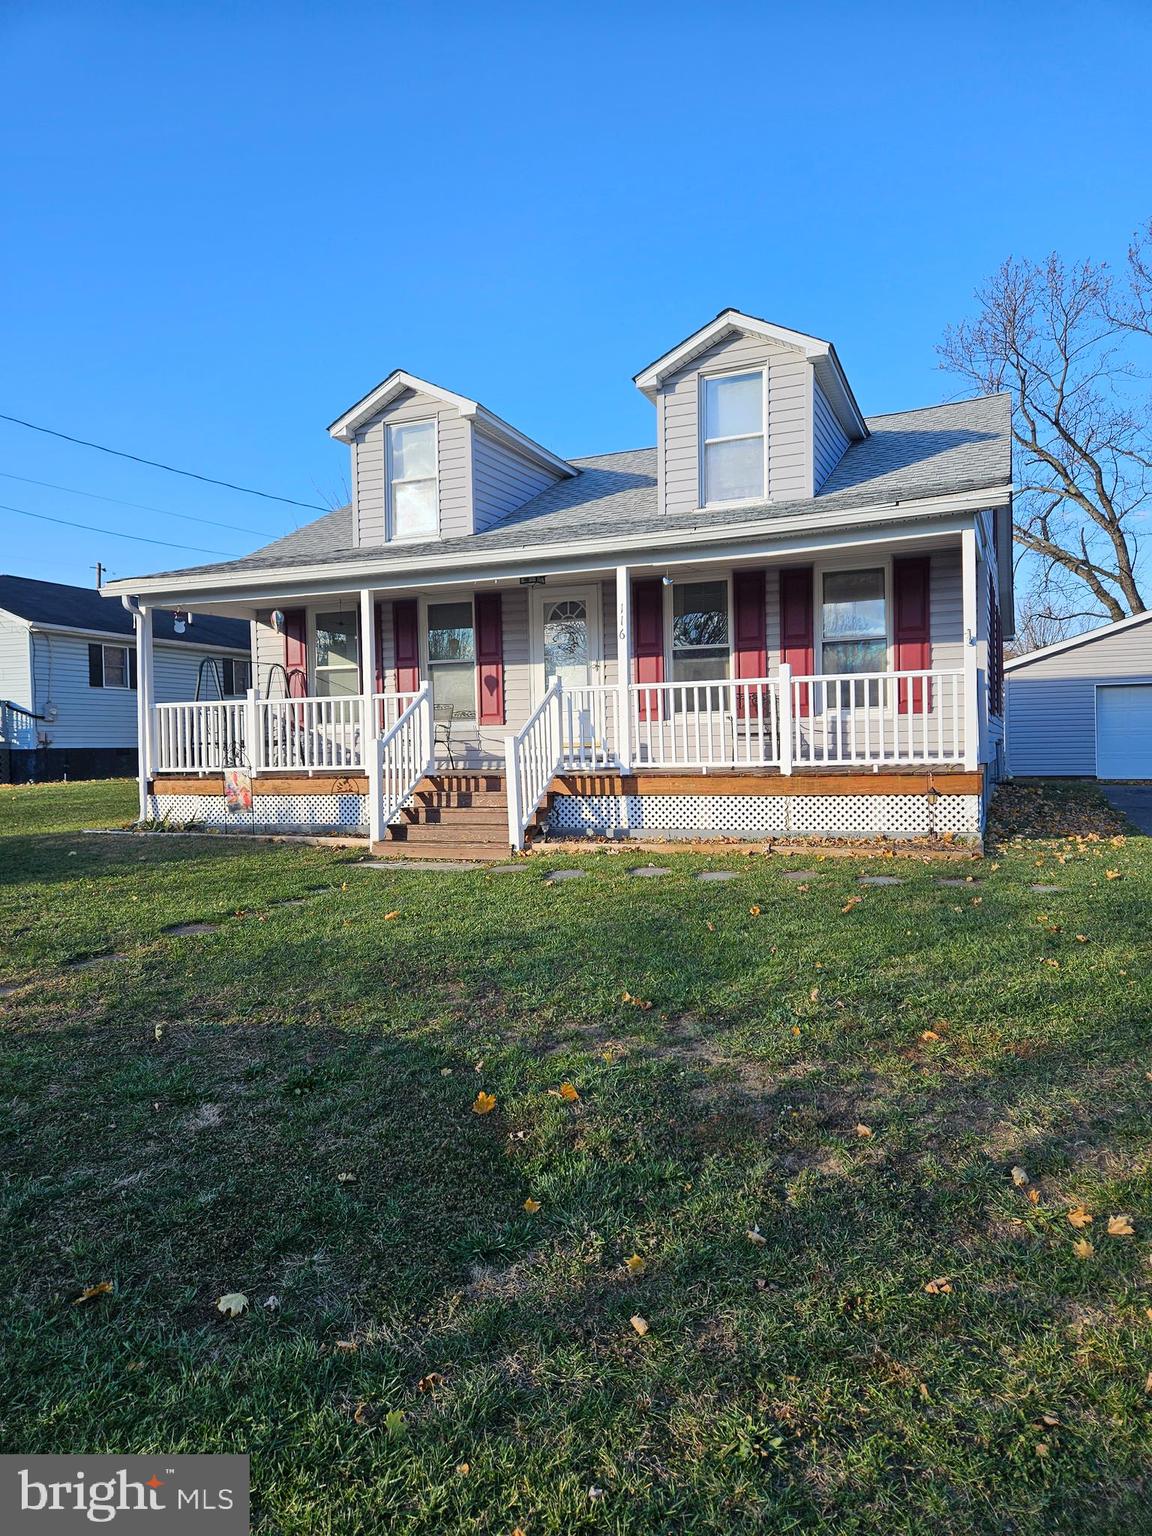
x=648 y=642
x=378 y=646
x=912 y=627
x=296 y=652
x=995 y=649
x=796 y=644
x=750 y=630
x=490 y=657
x=405 y=636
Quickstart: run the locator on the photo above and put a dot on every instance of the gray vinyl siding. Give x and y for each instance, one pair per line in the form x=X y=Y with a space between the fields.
x=268 y=657
x=829 y=443
x=102 y=717
x=502 y=480
x=1051 y=702
x=454 y=467
x=789 y=378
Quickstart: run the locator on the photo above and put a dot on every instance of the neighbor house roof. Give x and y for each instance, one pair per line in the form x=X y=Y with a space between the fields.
x=52 y=605
x=1117 y=627
x=909 y=456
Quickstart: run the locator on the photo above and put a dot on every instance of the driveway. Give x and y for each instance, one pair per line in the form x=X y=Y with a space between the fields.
x=1133 y=801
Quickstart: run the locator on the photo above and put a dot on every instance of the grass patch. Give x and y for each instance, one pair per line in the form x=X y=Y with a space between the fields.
x=422 y=1354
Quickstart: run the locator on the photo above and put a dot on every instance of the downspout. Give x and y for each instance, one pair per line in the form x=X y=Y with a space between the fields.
x=143 y=699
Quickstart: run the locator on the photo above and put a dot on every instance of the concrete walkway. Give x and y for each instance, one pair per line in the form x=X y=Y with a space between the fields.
x=1133 y=801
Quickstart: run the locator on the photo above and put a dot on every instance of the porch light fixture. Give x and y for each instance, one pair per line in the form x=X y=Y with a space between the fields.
x=666 y=581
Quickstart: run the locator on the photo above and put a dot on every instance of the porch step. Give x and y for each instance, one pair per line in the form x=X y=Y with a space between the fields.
x=465 y=799
x=494 y=813
x=478 y=782
x=451 y=830
x=454 y=816
x=481 y=853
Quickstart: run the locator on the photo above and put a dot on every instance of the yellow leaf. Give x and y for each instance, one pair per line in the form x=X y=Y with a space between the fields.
x=1034 y=1196
x=756 y=1236
x=483 y=1103
x=1079 y=1217
x=939 y=1287
x=430 y=1382
x=569 y=1093
x=388 y=916
x=929 y=1035
x=625 y=997
x=1019 y=1177
x=863 y=1131
x=636 y=1264
x=754 y=911
x=462 y=1469
x=795 y=1029
x=90 y=1292
x=853 y=901
x=531 y=1206
x=346 y=1346
x=360 y=1413
x=1113 y=874
x=640 y=1324
x=232 y=1304
x=1120 y=1226
x=1082 y=1248
x=1148 y=1382
x=1081 y=938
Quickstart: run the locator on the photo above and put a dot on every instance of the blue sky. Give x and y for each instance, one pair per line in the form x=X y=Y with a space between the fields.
x=224 y=223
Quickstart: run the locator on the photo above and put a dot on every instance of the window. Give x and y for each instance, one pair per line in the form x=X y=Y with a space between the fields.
x=452 y=658
x=733 y=438
x=412 y=479
x=235 y=677
x=699 y=631
x=854 y=622
x=337 y=668
x=111 y=666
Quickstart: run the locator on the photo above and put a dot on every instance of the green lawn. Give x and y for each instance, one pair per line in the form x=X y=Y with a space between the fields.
x=177 y=1121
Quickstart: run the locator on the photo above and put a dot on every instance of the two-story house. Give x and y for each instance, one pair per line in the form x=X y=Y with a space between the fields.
x=784 y=618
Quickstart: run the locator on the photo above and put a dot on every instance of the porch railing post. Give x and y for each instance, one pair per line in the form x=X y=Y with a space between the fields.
x=145 y=706
x=970 y=573
x=785 y=717
x=252 y=743
x=512 y=772
x=623 y=668
x=371 y=757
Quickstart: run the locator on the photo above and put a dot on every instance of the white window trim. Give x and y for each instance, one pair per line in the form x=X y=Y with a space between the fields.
x=696 y=580
x=126 y=685
x=237 y=661
x=312 y=651
x=704 y=442
x=391 y=536
x=881 y=563
x=437 y=600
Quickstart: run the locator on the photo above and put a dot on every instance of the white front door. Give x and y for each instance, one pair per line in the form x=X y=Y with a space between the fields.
x=565 y=637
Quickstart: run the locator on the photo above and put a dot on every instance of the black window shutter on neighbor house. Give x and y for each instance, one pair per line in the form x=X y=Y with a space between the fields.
x=95 y=666
x=132 y=668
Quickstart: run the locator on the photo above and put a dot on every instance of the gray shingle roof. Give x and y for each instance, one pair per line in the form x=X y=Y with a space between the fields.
x=908 y=455
x=52 y=604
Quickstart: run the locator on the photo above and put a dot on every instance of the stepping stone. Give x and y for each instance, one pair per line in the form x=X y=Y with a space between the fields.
x=1046 y=890
x=565 y=874
x=178 y=930
x=959 y=882
x=15 y=986
x=649 y=871
x=881 y=880
x=713 y=874
x=799 y=874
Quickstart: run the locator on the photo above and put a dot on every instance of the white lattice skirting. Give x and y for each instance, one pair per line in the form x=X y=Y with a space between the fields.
x=270 y=813
x=766 y=815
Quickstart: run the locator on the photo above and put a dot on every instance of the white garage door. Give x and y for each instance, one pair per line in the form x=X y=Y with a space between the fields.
x=1124 y=731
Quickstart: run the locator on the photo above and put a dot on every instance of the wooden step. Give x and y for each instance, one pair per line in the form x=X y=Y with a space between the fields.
x=449 y=832
x=463 y=799
x=458 y=815
x=480 y=853
x=464 y=783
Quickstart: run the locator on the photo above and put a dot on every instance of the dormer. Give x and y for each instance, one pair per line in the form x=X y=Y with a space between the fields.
x=748 y=414
x=429 y=464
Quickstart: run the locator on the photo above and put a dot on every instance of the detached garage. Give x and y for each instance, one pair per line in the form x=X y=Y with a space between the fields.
x=1083 y=708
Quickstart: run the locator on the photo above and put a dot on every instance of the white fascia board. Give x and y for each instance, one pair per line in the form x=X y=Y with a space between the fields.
x=345 y=427
x=588 y=554
x=116 y=637
x=1116 y=628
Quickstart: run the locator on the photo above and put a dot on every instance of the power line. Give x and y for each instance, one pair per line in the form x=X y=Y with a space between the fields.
x=140 y=506
x=112 y=533
x=189 y=474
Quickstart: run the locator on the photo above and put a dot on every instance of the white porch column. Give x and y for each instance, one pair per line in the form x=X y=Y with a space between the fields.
x=971 y=655
x=145 y=700
x=624 y=668
x=370 y=726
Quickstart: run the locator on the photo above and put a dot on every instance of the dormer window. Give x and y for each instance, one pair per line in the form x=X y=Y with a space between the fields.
x=733 y=433
x=412 y=488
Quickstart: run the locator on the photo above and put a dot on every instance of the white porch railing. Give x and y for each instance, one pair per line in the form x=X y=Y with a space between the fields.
x=724 y=724
x=201 y=738
x=878 y=719
x=589 y=727
x=309 y=734
x=531 y=758
x=403 y=756
x=388 y=707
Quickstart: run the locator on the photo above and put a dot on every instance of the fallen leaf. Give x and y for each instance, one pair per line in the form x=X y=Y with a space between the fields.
x=853 y=901
x=388 y=916
x=569 y=1093
x=90 y=1292
x=939 y=1287
x=430 y=1382
x=360 y=1414
x=463 y=1468
x=346 y=1346
x=929 y=1035
x=754 y=911
x=1079 y=1217
x=1081 y=938
x=346 y=1178
x=483 y=1103
x=1034 y=1196
x=1082 y=1248
x=795 y=1029
x=1050 y=1419
x=863 y=1131
x=272 y=1304
x=1148 y=1382
x=232 y=1304
x=1042 y=1448
x=1113 y=874
x=636 y=1265
x=754 y=1235
x=158 y=1032
x=640 y=1324
x=531 y=1206
x=1019 y=1177
x=1121 y=1226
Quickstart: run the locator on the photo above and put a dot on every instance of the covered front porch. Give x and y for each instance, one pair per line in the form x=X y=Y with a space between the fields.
x=853 y=663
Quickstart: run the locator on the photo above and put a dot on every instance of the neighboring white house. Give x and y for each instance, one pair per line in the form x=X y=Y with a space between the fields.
x=1082 y=708
x=68 y=667
x=782 y=618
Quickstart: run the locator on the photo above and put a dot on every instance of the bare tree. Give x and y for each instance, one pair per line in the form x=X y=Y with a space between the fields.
x=1064 y=340
x=1037 y=626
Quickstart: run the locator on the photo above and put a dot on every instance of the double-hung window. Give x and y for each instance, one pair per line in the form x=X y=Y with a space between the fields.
x=733 y=431
x=699 y=631
x=452 y=658
x=337 y=669
x=412 y=483
x=111 y=666
x=854 y=627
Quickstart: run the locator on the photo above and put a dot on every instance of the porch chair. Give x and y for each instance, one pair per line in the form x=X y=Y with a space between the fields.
x=443 y=716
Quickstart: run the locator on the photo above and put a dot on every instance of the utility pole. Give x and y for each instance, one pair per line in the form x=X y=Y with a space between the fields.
x=99 y=569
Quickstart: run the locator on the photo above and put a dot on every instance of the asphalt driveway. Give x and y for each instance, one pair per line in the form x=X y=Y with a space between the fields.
x=1133 y=801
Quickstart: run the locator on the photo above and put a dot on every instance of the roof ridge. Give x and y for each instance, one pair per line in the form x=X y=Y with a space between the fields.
x=914 y=410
